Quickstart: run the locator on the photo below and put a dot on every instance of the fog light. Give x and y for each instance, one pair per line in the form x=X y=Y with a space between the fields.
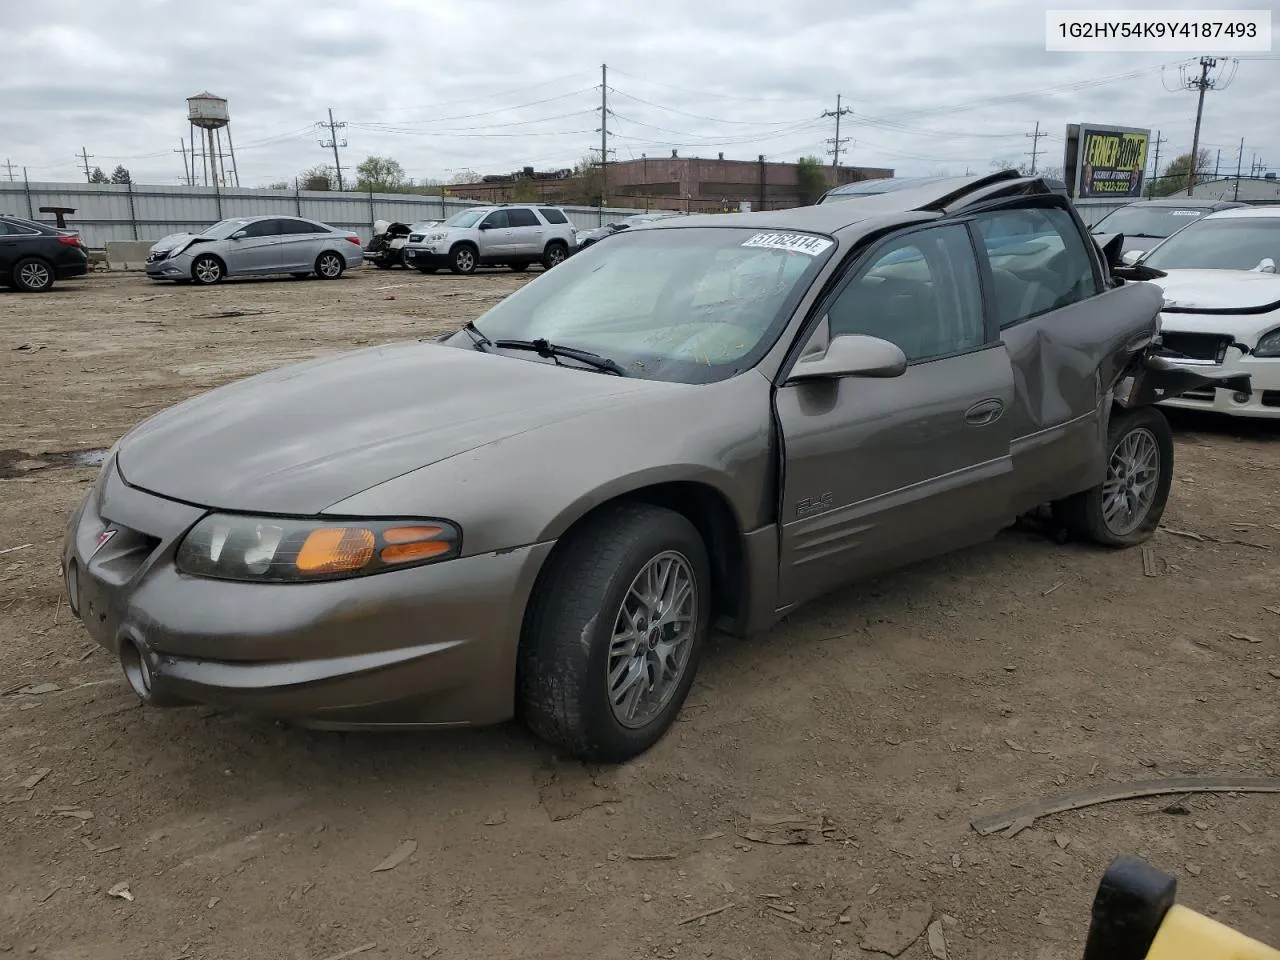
x=1240 y=397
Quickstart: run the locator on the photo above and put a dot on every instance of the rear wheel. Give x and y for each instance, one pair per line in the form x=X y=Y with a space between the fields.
x=1125 y=509
x=207 y=269
x=32 y=275
x=463 y=259
x=329 y=266
x=614 y=633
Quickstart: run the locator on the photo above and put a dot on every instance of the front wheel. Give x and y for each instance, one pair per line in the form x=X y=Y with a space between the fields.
x=329 y=266
x=614 y=633
x=463 y=260
x=1125 y=509
x=207 y=269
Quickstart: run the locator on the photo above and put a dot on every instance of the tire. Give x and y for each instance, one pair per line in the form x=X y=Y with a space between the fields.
x=565 y=658
x=329 y=265
x=462 y=259
x=426 y=269
x=518 y=267
x=1092 y=515
x=207 y=270
x=33 y=275
x=554 y=255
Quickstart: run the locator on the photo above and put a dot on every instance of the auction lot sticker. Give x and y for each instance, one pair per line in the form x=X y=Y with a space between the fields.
x=792 y=242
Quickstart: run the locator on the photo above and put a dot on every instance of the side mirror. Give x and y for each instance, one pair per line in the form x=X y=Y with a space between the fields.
x=239 y=235
x=1131 y=257
x=486 y=225
x=1265 y=265
x=851 y=355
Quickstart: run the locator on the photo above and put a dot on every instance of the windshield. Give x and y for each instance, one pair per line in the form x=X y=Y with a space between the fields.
x=1233 y=243
x=467 y=218
x=690 y=305
x=224 y=228
x=1136 y=221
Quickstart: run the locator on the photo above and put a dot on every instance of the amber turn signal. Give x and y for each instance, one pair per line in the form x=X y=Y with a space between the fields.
x=335 y=550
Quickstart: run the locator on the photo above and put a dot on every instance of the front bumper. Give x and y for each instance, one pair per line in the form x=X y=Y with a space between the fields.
x=177 y=268
x=427 y=646
x=434 y=255
x=1262 y=402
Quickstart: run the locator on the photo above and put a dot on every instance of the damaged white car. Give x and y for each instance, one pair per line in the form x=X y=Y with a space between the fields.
x=1222 y=306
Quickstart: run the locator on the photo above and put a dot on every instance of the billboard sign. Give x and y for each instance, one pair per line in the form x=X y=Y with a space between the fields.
x=1106 y=162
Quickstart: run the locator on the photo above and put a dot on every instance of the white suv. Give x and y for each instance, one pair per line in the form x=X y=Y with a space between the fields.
x=513 y=235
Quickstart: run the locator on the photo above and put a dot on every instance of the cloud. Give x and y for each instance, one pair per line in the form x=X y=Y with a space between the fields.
x=493 y=85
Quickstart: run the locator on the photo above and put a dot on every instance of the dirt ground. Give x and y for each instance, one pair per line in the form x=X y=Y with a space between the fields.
x=888 y=716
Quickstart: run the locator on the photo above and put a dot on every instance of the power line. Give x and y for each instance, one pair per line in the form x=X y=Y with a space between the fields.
x=710 y=93
x=698 y=116
x=1034 y=152
x=836 y=142
x=333 y=142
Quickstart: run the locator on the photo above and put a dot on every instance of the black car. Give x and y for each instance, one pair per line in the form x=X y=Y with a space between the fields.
x=34 y=255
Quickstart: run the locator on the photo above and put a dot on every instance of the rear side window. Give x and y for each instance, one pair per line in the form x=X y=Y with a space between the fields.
x=552 y=215
x=288 y=227
x=520 y=217
x=1039 y=262
x=14 y=229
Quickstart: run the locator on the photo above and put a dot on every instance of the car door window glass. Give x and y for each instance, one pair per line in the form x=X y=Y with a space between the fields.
x=552 y=215
x=496 y=220
x=920 y=291
x=1039 y=261
x=298 y=227
x=262 y=228
x=519 y=217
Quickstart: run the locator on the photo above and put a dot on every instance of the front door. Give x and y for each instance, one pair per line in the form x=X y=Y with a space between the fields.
x=495 y=236
x=881 y=472
x=258 y=251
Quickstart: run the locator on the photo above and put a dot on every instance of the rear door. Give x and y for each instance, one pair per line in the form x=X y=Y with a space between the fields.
x=880 y=472
x=15 y=243
x=1067 y=338
x=528 y=234
x=258 y=251
x=300 y=244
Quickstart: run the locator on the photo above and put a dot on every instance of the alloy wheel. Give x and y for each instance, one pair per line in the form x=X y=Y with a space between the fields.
x=1133 y=472
x=35 y=275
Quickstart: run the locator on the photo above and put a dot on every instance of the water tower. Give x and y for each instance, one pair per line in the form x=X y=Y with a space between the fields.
x=209 y=114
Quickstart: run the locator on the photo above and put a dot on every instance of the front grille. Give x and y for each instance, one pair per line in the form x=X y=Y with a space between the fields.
x=1195 y=346
x=417 y=237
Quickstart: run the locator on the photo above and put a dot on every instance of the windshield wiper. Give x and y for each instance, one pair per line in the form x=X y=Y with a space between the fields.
x=544 y=348
x=482 y=343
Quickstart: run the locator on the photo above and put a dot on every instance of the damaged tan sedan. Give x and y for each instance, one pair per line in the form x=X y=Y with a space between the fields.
x=706 y=421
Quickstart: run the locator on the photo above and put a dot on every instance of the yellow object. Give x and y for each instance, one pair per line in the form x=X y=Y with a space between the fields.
x=1187 y=935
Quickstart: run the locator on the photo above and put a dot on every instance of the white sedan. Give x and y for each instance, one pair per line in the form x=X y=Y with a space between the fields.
x=1222 y=306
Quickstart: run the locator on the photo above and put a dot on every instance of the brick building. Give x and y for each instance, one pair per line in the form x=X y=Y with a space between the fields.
x=668 y=183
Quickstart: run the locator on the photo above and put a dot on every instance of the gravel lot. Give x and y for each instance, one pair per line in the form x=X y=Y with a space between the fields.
x=889 y=715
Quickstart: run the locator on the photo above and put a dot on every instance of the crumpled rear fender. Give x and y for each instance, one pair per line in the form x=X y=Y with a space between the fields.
x=1151 y=378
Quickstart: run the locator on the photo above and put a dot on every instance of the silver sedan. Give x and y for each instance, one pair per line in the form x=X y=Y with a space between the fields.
x=258 y=246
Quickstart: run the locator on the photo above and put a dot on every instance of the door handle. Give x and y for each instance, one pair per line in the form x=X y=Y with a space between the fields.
x=983 y=412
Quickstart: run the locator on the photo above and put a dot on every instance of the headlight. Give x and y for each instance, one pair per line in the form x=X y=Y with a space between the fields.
x=1268 y=344
x=283 y=550
x=436 y=236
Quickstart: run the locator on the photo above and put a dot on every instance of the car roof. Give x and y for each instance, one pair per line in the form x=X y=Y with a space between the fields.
x=936 y=196
x=1235 y=213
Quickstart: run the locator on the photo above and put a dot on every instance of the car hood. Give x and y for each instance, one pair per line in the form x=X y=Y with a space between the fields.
x=1219 y=301
x=300 y=438
x=171 y=241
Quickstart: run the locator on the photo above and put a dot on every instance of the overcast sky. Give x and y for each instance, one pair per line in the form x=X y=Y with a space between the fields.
x=493 y=85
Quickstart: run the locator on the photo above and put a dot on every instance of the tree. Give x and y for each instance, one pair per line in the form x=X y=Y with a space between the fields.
x=465 y=175
x=524 y=190
x=98 y=176
x=811 y=180
x=584 y=184
x=1174 y=178
x=121 y=175
x=1051 y=173
x=279 y=185
x=319 y=177
x=380 y=175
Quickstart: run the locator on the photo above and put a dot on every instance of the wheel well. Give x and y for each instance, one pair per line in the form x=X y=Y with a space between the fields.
x=221 y=262
x=557 y=242
x=708 y=510
x=462 y=243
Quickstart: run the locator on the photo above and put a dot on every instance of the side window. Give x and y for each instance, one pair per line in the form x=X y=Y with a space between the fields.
x=520 y=217
x=552 y=215
x=1039 y=262
x=16 y=230
x=496 y=219
x=262 y=228
x=292 y=227
x=920 y=291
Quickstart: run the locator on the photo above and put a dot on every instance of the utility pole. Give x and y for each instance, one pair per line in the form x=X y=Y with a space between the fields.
x=1202 y=84
x=1235 y=193
x=186 y=171
x=1155 y=168
x=604 y=132
x=1217 y=163
x=333 y=143
x=1035 y=145
x=836 y=142
x=9 y=167
x=86 y=156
